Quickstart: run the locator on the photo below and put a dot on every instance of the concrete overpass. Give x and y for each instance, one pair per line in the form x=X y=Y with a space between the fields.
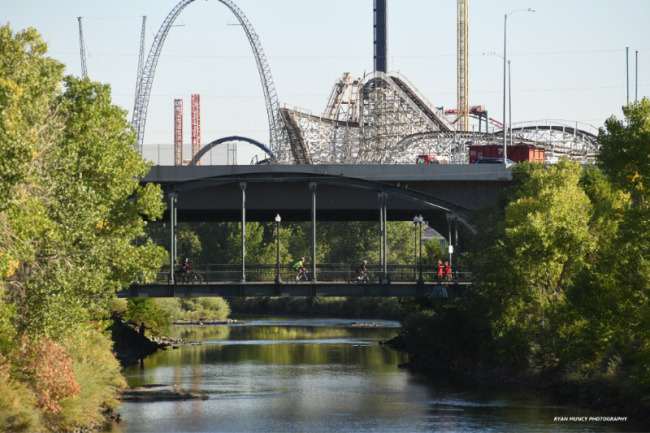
x=443 y=194
x=343 y=192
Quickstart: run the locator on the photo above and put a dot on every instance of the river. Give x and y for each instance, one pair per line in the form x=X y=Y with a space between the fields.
x=281 y=375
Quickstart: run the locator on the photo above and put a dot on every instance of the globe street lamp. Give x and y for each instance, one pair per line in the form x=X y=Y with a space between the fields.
x=505 y=26
x=278 y=279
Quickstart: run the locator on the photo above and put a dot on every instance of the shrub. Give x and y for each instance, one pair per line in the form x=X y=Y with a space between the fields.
x=18 y=411
x=148 y=310
x=99 y=377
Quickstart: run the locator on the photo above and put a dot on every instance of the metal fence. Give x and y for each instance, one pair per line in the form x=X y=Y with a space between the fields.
x=325 y=272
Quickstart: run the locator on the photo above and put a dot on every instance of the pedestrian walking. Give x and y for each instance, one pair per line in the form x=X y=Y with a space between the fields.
x=440 y=270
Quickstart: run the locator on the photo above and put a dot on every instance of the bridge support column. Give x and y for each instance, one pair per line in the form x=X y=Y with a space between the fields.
x=383 y=198
x=452 y=219
x=312 y=188
x=242 y=186
x=173 y=198
x=456 y=250
x=449 y=243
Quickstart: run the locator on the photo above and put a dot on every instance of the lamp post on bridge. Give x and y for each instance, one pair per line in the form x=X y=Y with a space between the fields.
x=418 y=220
x=415 y=247
x=505 y=26
x=278 y=278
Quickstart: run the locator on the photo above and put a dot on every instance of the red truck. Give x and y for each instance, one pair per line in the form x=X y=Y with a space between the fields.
x=518 y=153
x=431 y=159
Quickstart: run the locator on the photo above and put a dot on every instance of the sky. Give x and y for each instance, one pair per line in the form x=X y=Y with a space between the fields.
x=568 y=58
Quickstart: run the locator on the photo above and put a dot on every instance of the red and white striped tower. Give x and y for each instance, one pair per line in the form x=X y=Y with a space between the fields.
x=178 y=132
x=196 y=125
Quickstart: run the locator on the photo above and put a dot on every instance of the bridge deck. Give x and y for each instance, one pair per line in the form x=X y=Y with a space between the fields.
x=320 y=289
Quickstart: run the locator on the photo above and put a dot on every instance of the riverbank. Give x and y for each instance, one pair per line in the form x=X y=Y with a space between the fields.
x=425 y=365
x=130 y=347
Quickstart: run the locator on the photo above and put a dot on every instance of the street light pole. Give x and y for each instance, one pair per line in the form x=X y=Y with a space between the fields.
x=420 y=222
x=509 y=103
x=505 y=27
x=415 y=246
x=278 y=278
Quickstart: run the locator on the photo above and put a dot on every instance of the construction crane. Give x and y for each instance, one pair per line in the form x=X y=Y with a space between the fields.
x=82 y=49
x=462 y=121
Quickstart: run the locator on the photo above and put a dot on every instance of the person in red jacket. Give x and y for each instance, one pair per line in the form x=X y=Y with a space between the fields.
x=447 y=271
x=440 y=269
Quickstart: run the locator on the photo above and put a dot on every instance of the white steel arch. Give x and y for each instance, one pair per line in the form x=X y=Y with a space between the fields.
x=143 y=87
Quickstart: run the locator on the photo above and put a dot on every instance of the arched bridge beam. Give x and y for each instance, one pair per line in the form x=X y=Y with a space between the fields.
x=206 y=148
x=146 y=80
x=349 y=182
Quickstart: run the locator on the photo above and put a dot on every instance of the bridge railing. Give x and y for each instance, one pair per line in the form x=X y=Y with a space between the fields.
x=325 y=272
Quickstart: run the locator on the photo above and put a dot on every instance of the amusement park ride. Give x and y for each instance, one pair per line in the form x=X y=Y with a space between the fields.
x=380 y=118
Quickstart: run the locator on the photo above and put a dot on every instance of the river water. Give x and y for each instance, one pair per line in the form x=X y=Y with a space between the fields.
x=329 y=376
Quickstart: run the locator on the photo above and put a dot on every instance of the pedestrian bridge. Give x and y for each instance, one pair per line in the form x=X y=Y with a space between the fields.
x=308 y=289
x=333 y=281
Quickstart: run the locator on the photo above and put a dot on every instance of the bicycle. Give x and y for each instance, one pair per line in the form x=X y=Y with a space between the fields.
x=304 y=276
x=189 y=277
x=364 y=278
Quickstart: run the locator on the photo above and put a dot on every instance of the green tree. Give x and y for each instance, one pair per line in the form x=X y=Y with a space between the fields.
x=542 y=239
x=623 y=155
x=70 y=214
x=625 y=160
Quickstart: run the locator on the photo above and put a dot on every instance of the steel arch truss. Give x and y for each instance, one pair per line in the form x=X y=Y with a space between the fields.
x=146 y=75
x=208 y=147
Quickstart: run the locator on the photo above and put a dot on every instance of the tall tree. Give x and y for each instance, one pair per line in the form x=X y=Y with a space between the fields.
x=625 y=159
x=71 y=210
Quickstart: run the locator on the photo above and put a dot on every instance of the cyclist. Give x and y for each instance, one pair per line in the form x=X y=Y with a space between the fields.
x=185 y=269
x=362 y=270
x=299 y=268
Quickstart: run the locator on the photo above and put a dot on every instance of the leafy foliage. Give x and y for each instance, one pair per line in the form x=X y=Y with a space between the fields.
x=562 y=275
x=71 y=223
x=148 y=311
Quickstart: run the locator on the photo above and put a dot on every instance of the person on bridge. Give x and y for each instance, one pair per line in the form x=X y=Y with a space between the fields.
x=440 y=270
x=185 y=269
x=447 y=271
x=362 y=270
x=299 y=268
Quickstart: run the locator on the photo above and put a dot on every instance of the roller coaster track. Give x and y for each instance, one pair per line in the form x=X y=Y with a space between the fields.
x=397 y=124
x=432 y=113
x=296 y=141
x=143 y=87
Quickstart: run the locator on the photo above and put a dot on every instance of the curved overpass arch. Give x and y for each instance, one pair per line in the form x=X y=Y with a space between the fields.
x=145 y=81
x=206 y=148
x=349 y=182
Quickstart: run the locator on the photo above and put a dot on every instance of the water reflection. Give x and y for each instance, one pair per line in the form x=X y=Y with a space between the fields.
x=298 y=376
